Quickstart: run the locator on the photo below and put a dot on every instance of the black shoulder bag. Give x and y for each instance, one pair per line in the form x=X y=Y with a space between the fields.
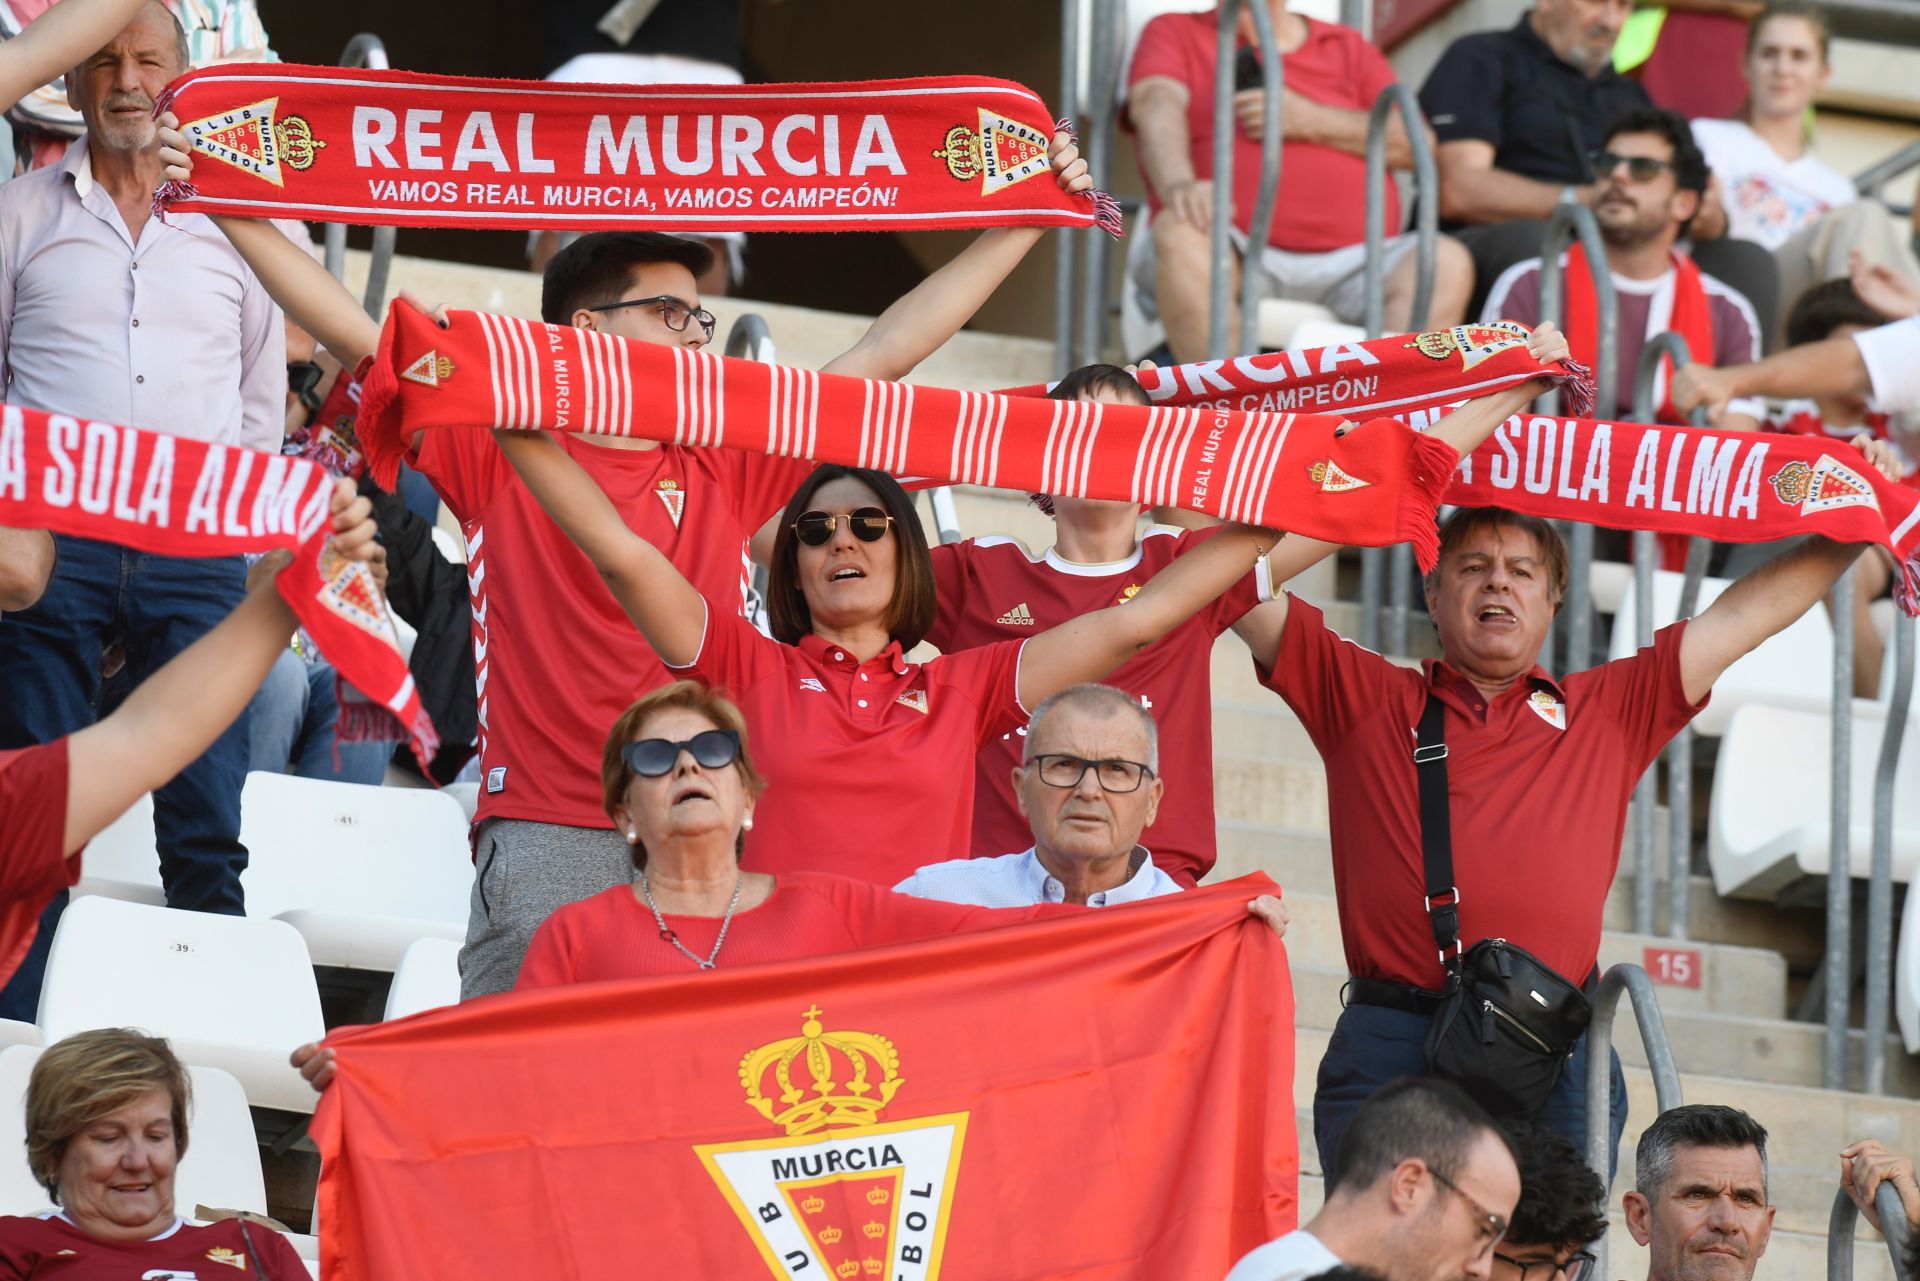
x=1507 y=1022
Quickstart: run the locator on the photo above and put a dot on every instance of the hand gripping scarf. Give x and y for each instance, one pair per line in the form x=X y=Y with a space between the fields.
x=1373 y=486
x=338 y=145
x=1735 y=487
x=180 y=497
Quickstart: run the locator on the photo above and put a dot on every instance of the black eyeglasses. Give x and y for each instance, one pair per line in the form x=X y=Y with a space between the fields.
x=653 y=757
x=1578 y=1267
x=868 y=524
x=675 y=312
x=1639 y=168
x=1059 y=770
x=1492 y=1226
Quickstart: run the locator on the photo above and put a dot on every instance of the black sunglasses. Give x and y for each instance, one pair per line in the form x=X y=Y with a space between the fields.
x=1578 y=1267
x=672 y=310
x=1639 y=168
x=868 y=524
x=653 y=757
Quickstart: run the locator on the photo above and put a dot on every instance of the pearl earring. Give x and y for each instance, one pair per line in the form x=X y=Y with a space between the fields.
x=746 y=824
x=632 y=837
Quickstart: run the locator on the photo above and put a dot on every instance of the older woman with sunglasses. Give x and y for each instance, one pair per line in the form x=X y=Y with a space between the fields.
x=870 y=755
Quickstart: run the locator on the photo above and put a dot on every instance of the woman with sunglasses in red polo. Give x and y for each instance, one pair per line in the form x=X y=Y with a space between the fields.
x=868 y=757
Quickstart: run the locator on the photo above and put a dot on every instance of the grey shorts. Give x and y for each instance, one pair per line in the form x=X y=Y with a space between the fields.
x=1335 y=279
x=523 y=872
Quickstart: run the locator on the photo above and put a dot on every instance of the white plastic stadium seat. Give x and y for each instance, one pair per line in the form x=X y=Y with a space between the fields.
x=468 y=794
x=221 y=1169
x=427 y=978
x=360 y=871
x=123 y=860
x=1769 y=821
x=1792 y=669
x=1906 y=976
x=229 y=992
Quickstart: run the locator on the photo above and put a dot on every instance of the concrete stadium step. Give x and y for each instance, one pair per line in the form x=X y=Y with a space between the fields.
x=1798 y=934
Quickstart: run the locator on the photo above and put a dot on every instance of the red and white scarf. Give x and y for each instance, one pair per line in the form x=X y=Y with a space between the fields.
x=1373 y=486
x=1691 y=317
x=180 y=497
x=410 y=149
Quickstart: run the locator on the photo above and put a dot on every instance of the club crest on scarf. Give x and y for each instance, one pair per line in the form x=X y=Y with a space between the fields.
x=1332 y=480
x=251 y=140
x=1000 y=153
x=347 y=588
x=841 y=1190
x=430 y=370
x=1473 y=343
x=1827 y=484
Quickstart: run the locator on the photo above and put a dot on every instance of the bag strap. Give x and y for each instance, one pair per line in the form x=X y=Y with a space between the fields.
x=1436 y=837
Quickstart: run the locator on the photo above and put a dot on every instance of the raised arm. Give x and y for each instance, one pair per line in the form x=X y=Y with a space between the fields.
x=1833 y=367
x=1769 y=598
x=171 y=717
x=922 y=320
x=58 y=41
x=1090 y=646
x=655 y=595
x=303 y=287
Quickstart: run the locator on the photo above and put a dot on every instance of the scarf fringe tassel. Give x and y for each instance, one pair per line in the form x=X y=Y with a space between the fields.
x=1434 y=461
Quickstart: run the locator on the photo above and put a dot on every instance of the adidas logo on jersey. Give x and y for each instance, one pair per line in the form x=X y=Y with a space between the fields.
x=1016 y=617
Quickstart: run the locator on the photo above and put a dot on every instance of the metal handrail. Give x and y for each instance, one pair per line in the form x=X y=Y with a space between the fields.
x=1096 y=246
x=364 y=50
x=1572 y=219
x=750 y=338
x=1872 y=180
x=1838 y=963
x=1880 y=882
x=1396 y=98
x=1844 y=1220
x=1064 y=263
x=1633 y=981
x=1680 y=760
x=1666 y=346
x=1260 y=225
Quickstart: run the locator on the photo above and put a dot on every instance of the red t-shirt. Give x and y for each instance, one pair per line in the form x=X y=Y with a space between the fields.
x=865 y=763
x=1538 y=783
x=556 y=660
x=1323 y=191
x=992 y=589
x=33 y=826
x=36 y=1247
x=612 y=934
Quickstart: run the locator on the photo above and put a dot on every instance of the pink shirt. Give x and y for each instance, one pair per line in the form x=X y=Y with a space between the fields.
x=173 y=334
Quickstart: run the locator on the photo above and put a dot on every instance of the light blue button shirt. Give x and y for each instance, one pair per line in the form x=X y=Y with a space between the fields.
x=1020 y=880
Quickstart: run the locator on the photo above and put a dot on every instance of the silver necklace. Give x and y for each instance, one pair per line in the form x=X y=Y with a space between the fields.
x=646 y=892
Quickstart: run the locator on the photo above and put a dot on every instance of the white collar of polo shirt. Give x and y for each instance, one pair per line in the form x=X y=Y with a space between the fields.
x=1043 y=887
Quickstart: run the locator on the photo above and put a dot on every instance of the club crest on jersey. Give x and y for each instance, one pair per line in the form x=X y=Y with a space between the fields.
x=430 y=370
x=1127 y=593
x=812 y=684
x=1000 y=153
x=1330 y=479
x=233 y=1259
x=916 y=699
x=1826 y=485
x=843 y=1191
x=251 y=140
x=1548 y=708
x=1473 y=343
x=673 y=498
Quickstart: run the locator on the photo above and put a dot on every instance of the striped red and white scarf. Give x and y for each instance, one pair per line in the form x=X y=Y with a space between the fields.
x=180 y=497
x=1373 y=486
x=410 y=149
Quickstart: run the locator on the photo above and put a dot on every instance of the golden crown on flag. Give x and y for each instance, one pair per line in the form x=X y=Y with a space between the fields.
x=840 y=1089
x=831 y=1236
x=963 y=153
x=298 y=146
x=851 y=1268
x=813 y=1205
x=877 y=1196
x=874 y=1228
x=873 y=1267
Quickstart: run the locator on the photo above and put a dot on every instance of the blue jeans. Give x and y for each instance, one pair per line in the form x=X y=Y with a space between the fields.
x=50 y=667
x=1372 y=1045
x=293 y=717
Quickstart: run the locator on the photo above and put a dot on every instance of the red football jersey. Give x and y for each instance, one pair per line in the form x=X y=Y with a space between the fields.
x=556 y=660
x=994 y=589
x=33 y=824
x=31 y=1246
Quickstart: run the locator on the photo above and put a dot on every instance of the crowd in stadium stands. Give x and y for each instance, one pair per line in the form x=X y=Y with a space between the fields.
x=1057 y=754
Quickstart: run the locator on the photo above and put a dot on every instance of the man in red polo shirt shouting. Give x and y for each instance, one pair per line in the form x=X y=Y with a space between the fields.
x=1539 y=771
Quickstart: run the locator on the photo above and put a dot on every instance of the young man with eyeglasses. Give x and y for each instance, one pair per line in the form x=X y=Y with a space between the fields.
x=1650 y=180
x=1424 y=1192
x=556 y=659
x=1562 y=1211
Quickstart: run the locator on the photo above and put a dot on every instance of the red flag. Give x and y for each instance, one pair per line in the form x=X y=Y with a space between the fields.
x=1105 y=1096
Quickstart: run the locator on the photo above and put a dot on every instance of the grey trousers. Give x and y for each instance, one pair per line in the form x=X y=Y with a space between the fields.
x=523 y=873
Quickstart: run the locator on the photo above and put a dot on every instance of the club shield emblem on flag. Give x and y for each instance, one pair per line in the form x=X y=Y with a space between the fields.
x=1826 y=485
x=1473 y=343
x=841 y=1190
x=251 y=140
x=1332 y=480
x=430 y=370
x=1001 y=153
x=674 y=499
